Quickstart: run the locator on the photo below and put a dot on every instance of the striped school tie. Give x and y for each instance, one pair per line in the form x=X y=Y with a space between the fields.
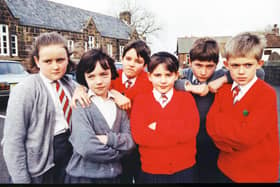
x=128 y=83
x=64 y=102
x=235 y=93
x=163 y=99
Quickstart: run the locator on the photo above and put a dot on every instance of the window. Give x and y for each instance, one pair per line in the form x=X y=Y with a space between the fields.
x=14 y=45
x=86 y=46
x=110 y=49
x=70 y=45
x=121 y=48
x=90 y=42
x=267 y=52
x=4 y=40
x=97 y=45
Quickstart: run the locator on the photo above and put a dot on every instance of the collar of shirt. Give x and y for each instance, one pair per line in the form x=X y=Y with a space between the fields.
x=125 y=78
x=168 y=94
x=45 y=79
x=60 y=125
x=91 y=94
x=107 y=107
x=194 y=78
x=244 y=89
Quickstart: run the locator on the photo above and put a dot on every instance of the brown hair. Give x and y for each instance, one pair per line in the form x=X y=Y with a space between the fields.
x=88 y=63
x=205 y=49
x=171 y=62
x=141 y=48
x=46 y=39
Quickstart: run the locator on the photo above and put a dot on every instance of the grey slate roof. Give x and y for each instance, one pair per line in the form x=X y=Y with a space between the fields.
x=184 y=44
x=47 y=14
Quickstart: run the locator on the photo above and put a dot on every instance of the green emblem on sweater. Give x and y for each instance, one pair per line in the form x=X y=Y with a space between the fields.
x=245 y=112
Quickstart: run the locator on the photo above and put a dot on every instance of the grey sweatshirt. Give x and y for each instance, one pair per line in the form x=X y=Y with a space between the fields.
x=28 y=131
x=91 y=158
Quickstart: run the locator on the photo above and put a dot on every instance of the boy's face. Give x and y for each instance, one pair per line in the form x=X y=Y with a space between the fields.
x=162 y=79
x=132 y=64
x=52 y=61
x=99 y=80
x=243 y=69
x=203 y=70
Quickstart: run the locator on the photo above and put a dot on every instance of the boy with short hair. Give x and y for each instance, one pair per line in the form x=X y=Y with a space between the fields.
x=133 y=78
x=204 y=56
x=244 y=127
x=159 y=124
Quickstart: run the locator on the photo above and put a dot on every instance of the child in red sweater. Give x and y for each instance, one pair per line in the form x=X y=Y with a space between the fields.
x=164 y=123
x=244 y=127
x=133 y=79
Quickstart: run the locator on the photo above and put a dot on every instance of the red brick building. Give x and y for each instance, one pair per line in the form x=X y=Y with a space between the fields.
x=21 y=21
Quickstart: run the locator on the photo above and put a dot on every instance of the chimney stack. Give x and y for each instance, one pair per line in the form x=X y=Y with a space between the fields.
x=275 y=30
x=126 y=17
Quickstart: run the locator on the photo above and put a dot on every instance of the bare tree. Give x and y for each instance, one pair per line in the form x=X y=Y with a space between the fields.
x=141 y=19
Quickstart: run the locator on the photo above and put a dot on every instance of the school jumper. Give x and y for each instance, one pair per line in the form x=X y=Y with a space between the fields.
x=28 y=137
x=131 y=162
x=171 y=148
x=92 y=159
x=246 y=133
x=207 y=153
x=141 y=85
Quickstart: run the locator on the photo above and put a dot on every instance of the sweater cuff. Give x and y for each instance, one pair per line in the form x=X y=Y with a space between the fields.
x=111 y=139
x=229 y=79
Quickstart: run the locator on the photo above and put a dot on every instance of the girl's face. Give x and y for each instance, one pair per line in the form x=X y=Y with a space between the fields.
x=99 y=80
x=162 y=79
x=52 y=61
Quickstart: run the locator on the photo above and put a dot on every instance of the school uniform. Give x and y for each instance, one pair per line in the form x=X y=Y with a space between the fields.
x=206 y=169
x=246 y=132
x=35 y=141
x=131 y=163
x=92 y=161
x=171 y=147
x=139 y=85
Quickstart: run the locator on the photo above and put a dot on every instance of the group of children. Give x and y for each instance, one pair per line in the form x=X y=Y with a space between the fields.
x=133 y=126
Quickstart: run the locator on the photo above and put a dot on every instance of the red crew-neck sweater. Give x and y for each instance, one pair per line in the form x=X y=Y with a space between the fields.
x=246 y=133
x=172 y=146
x=141 y=85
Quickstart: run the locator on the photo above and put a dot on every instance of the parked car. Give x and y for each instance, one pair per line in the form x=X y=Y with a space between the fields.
x=118 y=65
x=11 y=73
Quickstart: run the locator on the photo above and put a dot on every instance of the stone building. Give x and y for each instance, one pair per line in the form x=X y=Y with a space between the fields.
x=271 y=52
x=184 y=45
x=21 y=21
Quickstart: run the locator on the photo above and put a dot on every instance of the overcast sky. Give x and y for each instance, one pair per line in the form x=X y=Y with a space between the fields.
x=180 y=18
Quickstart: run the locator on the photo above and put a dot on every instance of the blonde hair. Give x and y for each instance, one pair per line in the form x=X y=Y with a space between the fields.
x=245 y=45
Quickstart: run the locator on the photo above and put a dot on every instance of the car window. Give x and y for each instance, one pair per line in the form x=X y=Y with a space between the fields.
x=11 y=68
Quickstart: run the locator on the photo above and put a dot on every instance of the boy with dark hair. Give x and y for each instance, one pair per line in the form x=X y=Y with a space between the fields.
x=244 y=127
x=204 y=57
x=165 y=135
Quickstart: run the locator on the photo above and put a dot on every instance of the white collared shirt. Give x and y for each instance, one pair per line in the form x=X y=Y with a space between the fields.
x=107 y=107
x=61 y=124
x=243 y=89
x=194 y=78
x=125 y=78
x=157 y=96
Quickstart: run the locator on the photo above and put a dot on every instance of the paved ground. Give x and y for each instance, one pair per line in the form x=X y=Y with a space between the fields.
x=3 y=169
